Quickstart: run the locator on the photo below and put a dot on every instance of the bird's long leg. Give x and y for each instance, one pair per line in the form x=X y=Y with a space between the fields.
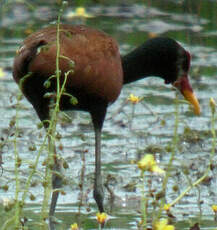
x=98 y=192
x=56 y=182
x=98 y=188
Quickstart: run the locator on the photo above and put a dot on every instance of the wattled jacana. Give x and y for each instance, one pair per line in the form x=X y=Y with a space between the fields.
x=98 y=76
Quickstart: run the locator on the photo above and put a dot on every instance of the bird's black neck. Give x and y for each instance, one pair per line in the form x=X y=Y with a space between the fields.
x=133 y=66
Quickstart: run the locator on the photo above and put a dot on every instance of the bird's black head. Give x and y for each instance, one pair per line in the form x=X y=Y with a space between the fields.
x=172 y=63
x=165 y=58
x=161 y=57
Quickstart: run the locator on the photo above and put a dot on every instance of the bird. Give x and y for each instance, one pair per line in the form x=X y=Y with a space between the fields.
x=95 y=80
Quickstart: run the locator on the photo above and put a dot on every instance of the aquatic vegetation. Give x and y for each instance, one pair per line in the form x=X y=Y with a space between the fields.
x=163 y=225
x=101 y=218
x=74 y=226
x=78 y=12
x=148 y=163
x=2 y=73
x=214 y=208
x=133 y=99
x=155 y=171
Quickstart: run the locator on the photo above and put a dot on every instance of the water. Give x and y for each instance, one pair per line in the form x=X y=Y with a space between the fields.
x=128 y=133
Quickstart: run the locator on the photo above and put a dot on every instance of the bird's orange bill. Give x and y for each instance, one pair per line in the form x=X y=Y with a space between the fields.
x=191 y=98
x=185 y=88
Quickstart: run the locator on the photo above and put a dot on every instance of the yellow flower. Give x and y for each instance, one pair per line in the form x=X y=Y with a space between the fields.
x=212 y=104
x=148 y=163
x=2 y=73
x=101 y=217
x=163 y=225
x=79 y=12
x=28 y=31
x=74 y=226
x=166 y=207
x=214 y=208
x=6 y=201
x=134 y=99
x=157 y=169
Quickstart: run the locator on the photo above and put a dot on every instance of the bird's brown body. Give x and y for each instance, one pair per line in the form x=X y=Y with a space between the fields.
x=96 y=57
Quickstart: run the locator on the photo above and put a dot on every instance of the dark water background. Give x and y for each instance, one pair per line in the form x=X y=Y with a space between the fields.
x=128 y=132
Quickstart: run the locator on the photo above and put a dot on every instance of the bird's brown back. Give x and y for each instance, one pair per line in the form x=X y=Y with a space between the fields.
x=97 y=71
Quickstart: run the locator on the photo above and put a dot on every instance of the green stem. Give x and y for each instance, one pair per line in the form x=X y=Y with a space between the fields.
x=190 y=187
x=132 y=116
x=143 y=202
x=52 y=126
x=8 y=223
x=172 y=156
x=213 y=136
x=34 y=167
x=16 y=166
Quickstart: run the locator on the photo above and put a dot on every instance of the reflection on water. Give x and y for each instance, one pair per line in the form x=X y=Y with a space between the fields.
x=129 y=132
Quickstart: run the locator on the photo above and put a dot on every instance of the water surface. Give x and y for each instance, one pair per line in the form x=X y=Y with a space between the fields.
x=129 y=132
